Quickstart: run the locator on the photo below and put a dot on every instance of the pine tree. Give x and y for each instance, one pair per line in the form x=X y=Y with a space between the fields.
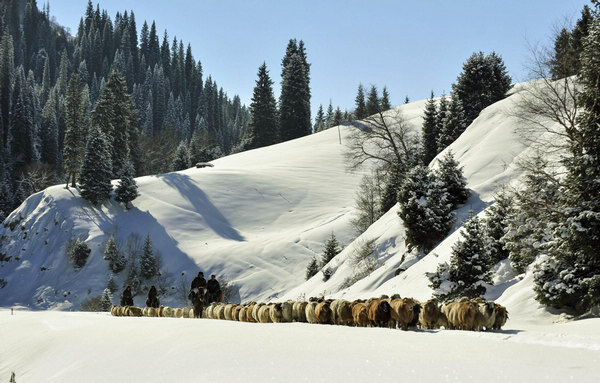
x=264 y=124
x=181 y=160
x=454 y=123
x=114 y=114
x=385 y=100
x=114 y=256
x=96 y=170
x=330 y=116
x=312 y=268
x=361 y=111
x=148 y=262
x=451 y=175
x=372 y=106
x=495 y=224
x=469 y=268
x=424 y=209
x=294 y=102
x=332 y=248
x=338 y=117
x=106 y=300
x=77 y=120
x=320 y=120
x=111 y=285
x=126 y=190
x=483 y=81
x=430 y=130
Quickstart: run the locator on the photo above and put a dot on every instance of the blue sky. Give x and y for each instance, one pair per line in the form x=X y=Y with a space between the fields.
x=412 y=47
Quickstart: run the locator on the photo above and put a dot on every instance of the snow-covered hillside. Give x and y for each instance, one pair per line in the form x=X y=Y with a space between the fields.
x=256 y=218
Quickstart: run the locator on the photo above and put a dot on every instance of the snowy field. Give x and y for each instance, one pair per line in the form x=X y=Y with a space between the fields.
x=56 y=346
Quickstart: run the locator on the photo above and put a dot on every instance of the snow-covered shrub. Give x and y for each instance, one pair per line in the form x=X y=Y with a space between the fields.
x=362 y=261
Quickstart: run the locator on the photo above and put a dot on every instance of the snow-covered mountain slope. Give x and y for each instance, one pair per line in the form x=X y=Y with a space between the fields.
x=257 y=218
x=489 y=151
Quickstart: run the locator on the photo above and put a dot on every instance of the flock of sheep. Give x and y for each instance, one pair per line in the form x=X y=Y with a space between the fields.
x=395 y=312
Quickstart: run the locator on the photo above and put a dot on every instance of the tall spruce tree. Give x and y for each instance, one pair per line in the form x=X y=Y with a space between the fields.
x=360 y=111
x=372 y=106
x=114 y=256
x=430 y=130
x=385 y=100
x=148 y=261
x=454 y=123
x=114 y=114
x=294 y=101
x=264 y=123
x=320 y=120
x=96 y=170
x=77 y=120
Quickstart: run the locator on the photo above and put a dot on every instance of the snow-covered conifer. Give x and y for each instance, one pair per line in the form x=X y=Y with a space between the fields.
x=96 y=170
x=148 y=262
x=126 y=190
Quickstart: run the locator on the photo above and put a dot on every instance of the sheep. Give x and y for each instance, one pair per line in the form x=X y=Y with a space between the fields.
x=255 y=310
x=145 y=311
x=152 y=312
x=134 y=311
x=191 y=313
x=299 y=311
x=178 y=313
x=263 y=314
x=276 y=312
x=286 y=309
x=430 y=315
x=469 y=317
x=311 y=316
x=167 y=312
x=343 y=313
x=334 y=308
x=323 y=312
x=235 y=312
x=488 y=313
x=114 y=310
x=501 y=317
x=219 y=311
x=405 y=312
x=242 y=314
x=360 y=314
x=379 y=312
x=208 y=311
x=227 y=311
x=186 y=312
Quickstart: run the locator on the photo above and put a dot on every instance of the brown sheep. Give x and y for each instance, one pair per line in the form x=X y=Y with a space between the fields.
x=360 y=314
x=430 y=314
x=501 y=317
x=299 y=311
x=276 y=312
x=379 y=311
x=323 y=312
x=311 y=316
x=405 y=312
x=344 y=313
x=263 y=314
x=186 y=312
x=113 y=310
x=469 y=317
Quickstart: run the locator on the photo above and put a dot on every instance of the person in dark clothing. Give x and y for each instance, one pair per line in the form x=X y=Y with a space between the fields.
x=198 y=281
x=152 y=300
x=213 y=290
x=197 y=298
x=126 y=297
